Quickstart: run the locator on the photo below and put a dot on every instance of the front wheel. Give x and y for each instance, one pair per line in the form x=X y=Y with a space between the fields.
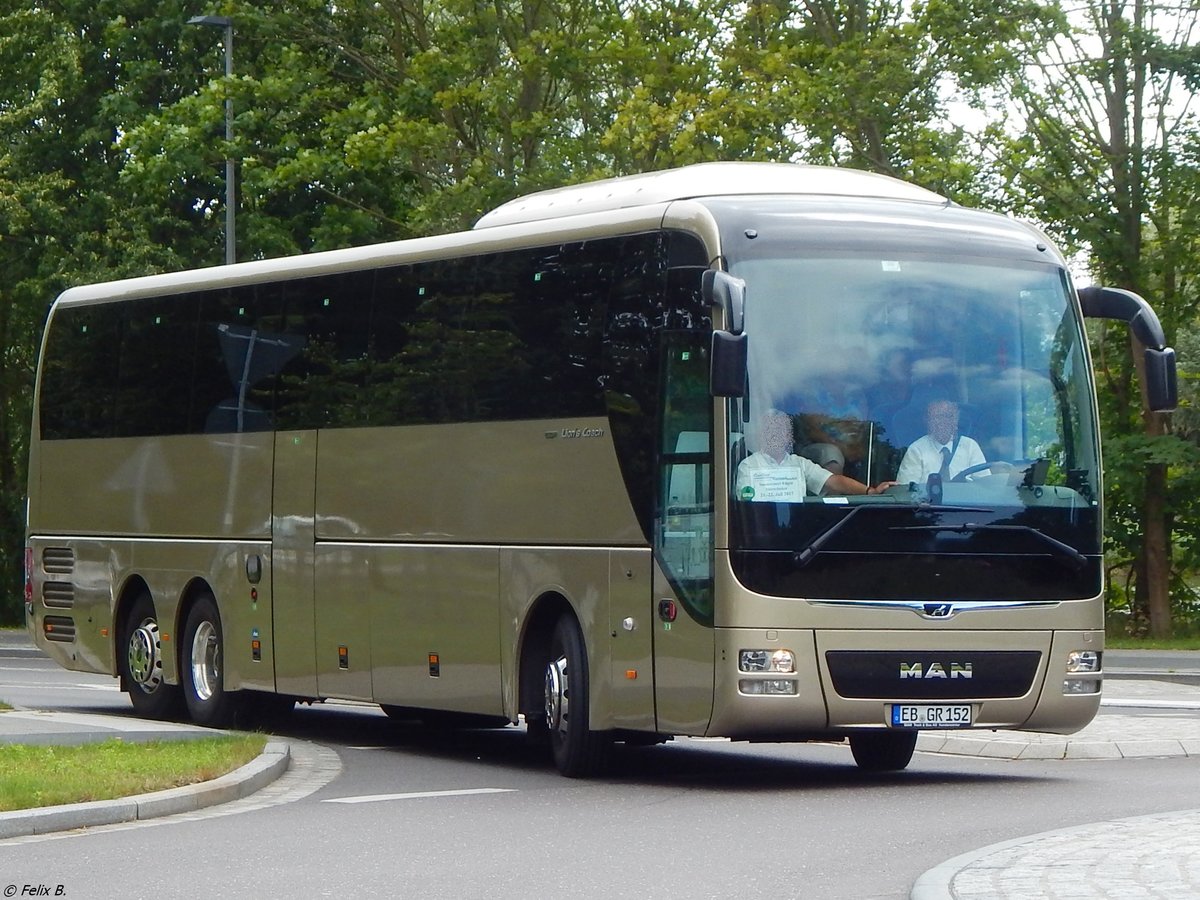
x=208 y=702
x=578 y=751
x=883 y=751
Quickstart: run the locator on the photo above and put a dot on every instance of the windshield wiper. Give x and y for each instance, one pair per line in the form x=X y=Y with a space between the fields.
x=1066 y=553
x=803 y=557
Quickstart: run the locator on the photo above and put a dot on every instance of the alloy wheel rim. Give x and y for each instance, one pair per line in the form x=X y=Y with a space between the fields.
x=206 y=661
x=145 y=666
x=557 y=698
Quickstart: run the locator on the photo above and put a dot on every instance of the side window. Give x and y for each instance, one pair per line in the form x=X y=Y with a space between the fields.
x=239 y=351
x=79 y=372
x=393 y=371
x=325 y=322
x=684 y=523
x=546 y=307
x=154 y=382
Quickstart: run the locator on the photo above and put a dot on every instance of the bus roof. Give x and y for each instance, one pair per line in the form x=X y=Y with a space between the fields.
x=703 y=180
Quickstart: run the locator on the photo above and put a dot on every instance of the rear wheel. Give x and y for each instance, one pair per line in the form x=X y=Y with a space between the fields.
x=139 y=661
x=208 y=702
x=883 y=751
x=578 y=751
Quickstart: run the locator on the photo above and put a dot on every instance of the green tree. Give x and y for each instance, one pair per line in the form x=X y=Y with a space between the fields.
x=1100 y=159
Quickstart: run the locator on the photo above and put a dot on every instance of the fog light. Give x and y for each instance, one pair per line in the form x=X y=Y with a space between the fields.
x=767 y=661
x=1083 y=661
x=1081 y=686
x=767 y=686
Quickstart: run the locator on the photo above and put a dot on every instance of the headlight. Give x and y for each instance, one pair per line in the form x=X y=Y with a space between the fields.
x=767 y=661
x=1083 y=661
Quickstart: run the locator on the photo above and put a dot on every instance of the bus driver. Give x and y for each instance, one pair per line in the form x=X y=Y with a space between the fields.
x=943 y=450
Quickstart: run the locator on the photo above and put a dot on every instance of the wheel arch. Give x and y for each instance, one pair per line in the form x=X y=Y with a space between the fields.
x=534 y=647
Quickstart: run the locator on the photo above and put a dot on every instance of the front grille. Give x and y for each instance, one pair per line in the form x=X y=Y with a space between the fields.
x=59 y=628
x=932 y=674
x=58 y=560
x=58 y=594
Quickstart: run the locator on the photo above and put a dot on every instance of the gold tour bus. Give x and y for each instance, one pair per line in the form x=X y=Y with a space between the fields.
x=624 y=462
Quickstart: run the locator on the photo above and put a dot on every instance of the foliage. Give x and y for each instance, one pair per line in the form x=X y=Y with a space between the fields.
x=1096 y=146
x=368 y=121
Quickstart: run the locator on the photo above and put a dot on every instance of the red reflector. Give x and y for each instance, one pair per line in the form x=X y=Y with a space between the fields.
x=29 y=575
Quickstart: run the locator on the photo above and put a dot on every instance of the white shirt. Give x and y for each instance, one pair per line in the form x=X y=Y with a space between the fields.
x=924 y=457
x=762 y=478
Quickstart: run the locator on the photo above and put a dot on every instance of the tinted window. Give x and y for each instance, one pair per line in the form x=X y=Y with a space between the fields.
x=324 y=337
x=551 y=332
x=156 y=356
x=239 y=352
x=79 y=372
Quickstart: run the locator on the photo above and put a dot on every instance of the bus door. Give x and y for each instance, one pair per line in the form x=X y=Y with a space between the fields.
x=293 y=538
x=683 y=539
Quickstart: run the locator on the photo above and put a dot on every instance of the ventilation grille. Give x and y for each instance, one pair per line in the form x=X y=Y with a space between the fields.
x=59 y=628
x=58 y=594
x=58 y=560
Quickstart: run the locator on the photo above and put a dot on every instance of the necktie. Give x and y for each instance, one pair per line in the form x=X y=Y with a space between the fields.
x=945 y=471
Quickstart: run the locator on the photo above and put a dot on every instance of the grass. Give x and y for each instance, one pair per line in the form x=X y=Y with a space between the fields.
x=1124 y=642
x=34 y=776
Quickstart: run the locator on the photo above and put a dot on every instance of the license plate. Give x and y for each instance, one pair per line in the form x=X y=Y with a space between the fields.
x=945 y=715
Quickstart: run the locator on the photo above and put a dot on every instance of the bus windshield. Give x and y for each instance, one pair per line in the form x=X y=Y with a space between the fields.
x=963 y=381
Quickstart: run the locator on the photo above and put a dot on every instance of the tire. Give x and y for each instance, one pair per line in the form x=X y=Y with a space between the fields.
x=578 y=751
x=139 y=663
x=208 y=703
x=883 y=751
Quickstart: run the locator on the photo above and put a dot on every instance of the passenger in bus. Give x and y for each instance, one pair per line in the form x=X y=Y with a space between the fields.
x=942 y=450
x=827 y=456
x=773 y=473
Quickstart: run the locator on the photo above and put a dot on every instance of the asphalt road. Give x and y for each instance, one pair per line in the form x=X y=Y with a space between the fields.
x=391 y=810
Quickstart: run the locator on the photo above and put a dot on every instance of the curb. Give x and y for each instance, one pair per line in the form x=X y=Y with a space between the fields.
x=250 y=778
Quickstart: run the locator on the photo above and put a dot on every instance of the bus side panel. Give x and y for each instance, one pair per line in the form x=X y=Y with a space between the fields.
x=291 y=570
x=603 y=588
x=73 y=582
x=528 y=482
x=343 y=621
x=683 y=666
x=184 y=487
x=435 y=627
x=631 y=624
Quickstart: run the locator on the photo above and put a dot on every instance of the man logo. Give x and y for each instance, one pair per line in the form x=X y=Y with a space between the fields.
x=953 y=671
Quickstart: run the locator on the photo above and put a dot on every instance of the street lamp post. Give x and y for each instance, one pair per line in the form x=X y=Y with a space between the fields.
x=230 y=188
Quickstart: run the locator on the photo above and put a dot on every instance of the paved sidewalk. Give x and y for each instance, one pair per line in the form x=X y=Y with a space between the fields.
x=1154 y=856
x=1167 y=723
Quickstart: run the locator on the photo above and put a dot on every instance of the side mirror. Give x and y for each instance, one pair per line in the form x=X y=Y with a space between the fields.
x=723 y=290
x=1162 y=387
x=727 y=372
x=1162 y=391
x=727 y=375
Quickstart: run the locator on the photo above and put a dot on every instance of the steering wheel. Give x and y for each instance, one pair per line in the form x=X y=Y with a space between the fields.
x=999 y=464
